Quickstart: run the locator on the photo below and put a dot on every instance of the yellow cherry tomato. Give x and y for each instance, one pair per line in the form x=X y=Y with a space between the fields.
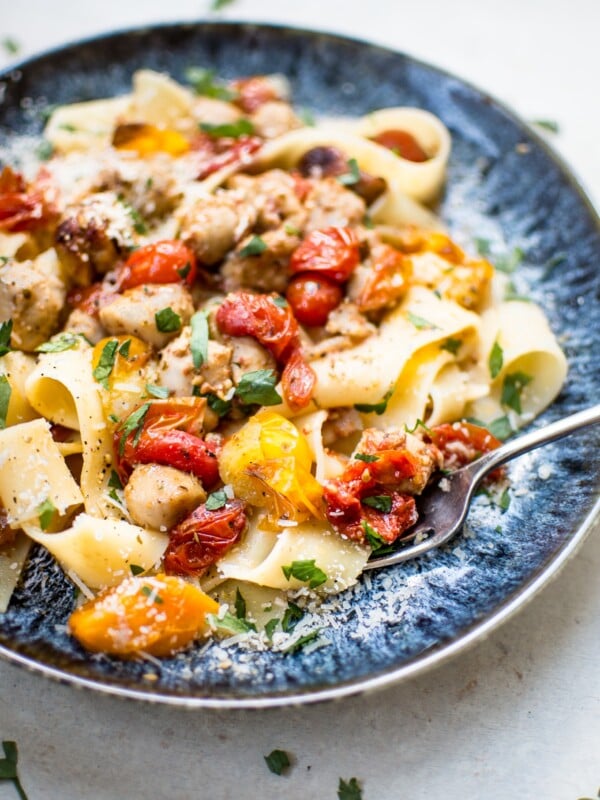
x=120 y=365
x=158 y=614
x=268 y=462
x=146 y=140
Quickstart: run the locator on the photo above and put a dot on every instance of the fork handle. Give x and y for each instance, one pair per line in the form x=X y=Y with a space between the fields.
x=529 y=441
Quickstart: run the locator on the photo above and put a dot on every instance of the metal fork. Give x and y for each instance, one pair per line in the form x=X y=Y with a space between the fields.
x=443 y=511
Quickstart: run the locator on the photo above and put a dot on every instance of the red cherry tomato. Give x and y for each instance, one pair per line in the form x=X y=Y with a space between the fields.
x=298 y=381
x=253 y=92
x=402 y=143
x=22 y=207
x=203 y=537
x=222 y=152
x=387 y=280
x=168 y=261
x=332 y=252
x=463 y=442
x=257 y=315
x=312 y=297
x=168 y=436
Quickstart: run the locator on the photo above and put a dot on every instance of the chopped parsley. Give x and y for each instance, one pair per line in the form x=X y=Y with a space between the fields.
x=306 y=572
x=511 y=294
x=160 y=392
x=418 y=424
x=184 y=271
x=64 y=341
x=277 y=761
x=483 y=246
x=504 y=501
x=204 y=82
x=240 y=605
x=135 y=569
x=167 y=321
x=10 y=45
x=106 y=362
x=216 y=404
x=46 y=512
x=420 y=323
x=139 y=226
x=380 y=502
x=306 y=116
x=230 y=624
x=374 y=540
x=302 y=641
x=259 y=387
x=5 y=332
x=219 y=5
x=349 y=790
x=509 y=263
x=495 y=360
x=5 y=393
x=368 y=222
x=133 y=423
x=216 y=500
x=151 y=594
x=500 y=428
x=114 y=481
x=280 y=302
x=124 y=348
x=44 y=150
x=550 y=125
x=352 y=176
x=230 y=130
x=552 y=263
x=368 y=458
x=512 y=387
x=292 y=616
x=199 y=339
x=8 y=767
x=451 y=345
x=375 y=408
x=255 y=247
x=270 y=627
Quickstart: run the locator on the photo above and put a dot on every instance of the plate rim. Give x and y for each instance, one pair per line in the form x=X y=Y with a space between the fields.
x=441 y=653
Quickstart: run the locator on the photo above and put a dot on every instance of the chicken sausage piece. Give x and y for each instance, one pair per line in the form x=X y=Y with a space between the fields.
x=159 y=497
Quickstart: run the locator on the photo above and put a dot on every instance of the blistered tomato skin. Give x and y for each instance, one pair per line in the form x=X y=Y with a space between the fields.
x=158 y=615
x=331 y=252
x=23 y=207
x=403 y=144
x=462 y=442
x=312 y=298
x=167 y=261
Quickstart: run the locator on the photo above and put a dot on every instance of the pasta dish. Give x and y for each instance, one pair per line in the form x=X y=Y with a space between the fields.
x=235 y=347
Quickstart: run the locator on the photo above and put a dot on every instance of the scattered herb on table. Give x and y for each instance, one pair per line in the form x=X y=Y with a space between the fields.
x=349 y=790
x=278 y=761
x=8 y=767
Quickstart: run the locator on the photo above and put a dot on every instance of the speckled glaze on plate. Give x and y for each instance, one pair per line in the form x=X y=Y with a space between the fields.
x=504 y=185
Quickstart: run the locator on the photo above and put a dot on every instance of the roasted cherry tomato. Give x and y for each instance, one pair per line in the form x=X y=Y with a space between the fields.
x=204 y=537
x=168 y=261
x=402 y=143
x=298 y=381
x=224 y=152
x=462 y=442
x=254 y=92
x=157 y=614
x=332 y=252
x=147 y=140
x=386 y=281
x=258 y=315
x=90 y=299
x=312 y=297
x=167 y=434
x=22 y=207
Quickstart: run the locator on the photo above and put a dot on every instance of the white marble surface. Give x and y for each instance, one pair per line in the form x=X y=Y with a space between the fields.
x=518 y=716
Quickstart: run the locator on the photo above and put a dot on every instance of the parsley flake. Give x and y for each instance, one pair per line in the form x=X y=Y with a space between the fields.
x=114 y=481
x=451 y=345
x=204 y=82
x=160 y=392
x=420 y=323
x=184 y=271
x=500 y=428
x=255 y=247
x=5 y=332
x=504 y=502
x=552 y=263
x=495 y=360
x=292 y=616
x=44 y=150
x=306 y=572
x=302 y=641
x=124 y=348
x=306 y=116
x=133 y=423
x=240 y=605
x=280 y=302
x=219 y=406
x=199 y=339
x=64 y=341
x=368 y=458
x=259 y=387
x=45 y=512
x=550 y=125
x=483 y=246
x=509 y=263
x=139 y=226
x=375 y=408
x=8 y=767
x=230 y=624
x=218 y=5
x=277 y=761
x=135 y=569
x=167 y=321
x=5 y=393
x=418 y=424
x=10 y=45
x=230 y=130
x=349 y=790
x=374 y=540
x=216 y=500
x=380 y=502
x=106 y=362
x=151 y=594
x=352 y=176
x=270 y=627
x=513 y=385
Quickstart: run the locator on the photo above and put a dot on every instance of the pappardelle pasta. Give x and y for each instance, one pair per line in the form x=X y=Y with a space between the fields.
x=235 y=347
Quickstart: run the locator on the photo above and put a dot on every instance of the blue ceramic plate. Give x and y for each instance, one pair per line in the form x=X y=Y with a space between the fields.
x=504 y=185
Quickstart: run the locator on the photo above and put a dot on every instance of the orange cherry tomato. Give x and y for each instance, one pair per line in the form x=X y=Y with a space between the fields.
x=156 y=614
x=167 y=261
x=402 y=143
x=204 y=537
x=312 y=297
x=331 y=252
